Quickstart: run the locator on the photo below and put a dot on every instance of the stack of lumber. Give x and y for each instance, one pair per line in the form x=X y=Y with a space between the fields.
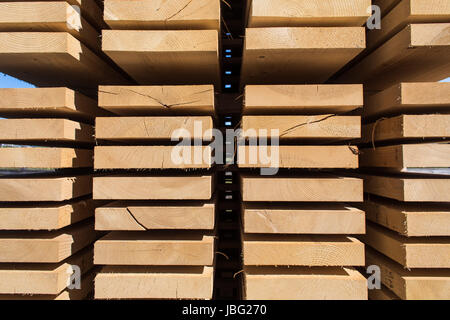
x=412 y=45
x=161 y=240
x=55 y=43
x=46 y=208
x=301 y=41
x=298 y=224
x=152 y=39
x=408 y=208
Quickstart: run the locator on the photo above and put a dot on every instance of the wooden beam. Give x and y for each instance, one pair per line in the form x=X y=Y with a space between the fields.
x=302 y=99
x=297 y=157
x=84 y=293
x=298 y=55
x=41 y=130
x=402 y=157
x=297 y=219
x=418 y=53
x=318 y=189
x=53 y=59
x=153 y=188
x=423 y=252
x=425 y=284
x=149 y=14
x=157 y=100
x=153 y=128
x=90 y=10
x=48 y=102
x=56 y=16
x=45 y=247
x=153 y=157
x=405 y=13
x=44 y=217
x=386 y=5
x=300 y=283
x=408 y=128
x=382 y=294
x=44 y=188
x=408 y=189
x=409 y=98
x=42 y=279
x=302 y=250
x=409 y=220
x=323 y=127
x=155 y=249
x=54 y=158
x=155 y=283
x=304 y=13
x=193 y=53
x=122 y=217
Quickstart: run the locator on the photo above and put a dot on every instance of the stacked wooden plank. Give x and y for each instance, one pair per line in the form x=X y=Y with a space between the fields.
x=301 y=41
x=151 y=39
x=412 y=45
x=161 y=243
x=54 y=43
x=46 y=208
x=298 y=224
x=408 y=206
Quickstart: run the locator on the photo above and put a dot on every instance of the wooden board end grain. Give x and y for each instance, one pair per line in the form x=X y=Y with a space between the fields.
x=155 y=249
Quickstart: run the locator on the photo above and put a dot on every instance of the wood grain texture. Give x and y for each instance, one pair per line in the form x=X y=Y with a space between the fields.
x=55 y=158
x=408 y=189
x=402 y=157
x=425 y=284
x=153 y=157
x=44 y=217
x=53 y=59
x=157 y=100
x=193 y=53
x=47 y=102
x=297 y=157
x=409 y=98
x=45 y=247
x=301 y=189
x=155 y=283
x=121 y=217
x=44 y=189
x=302 y=99
x=153 y=128
x=42 y=279
x=294 y=219
x=324 y=13
x=302 y=250
x=408 y=127
x=300 y=283
x=56 y=16
x=419 y=252
x=418 y=53
x=324 y=127
x=153 y=188
x=90 y=10
x=151 y=14
x=409 y=220
x=298 y=55
x=155 y=249
x=32 y=130
x=407 y=12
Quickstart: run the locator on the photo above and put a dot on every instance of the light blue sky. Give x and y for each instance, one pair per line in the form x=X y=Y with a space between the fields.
x=10 y=82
